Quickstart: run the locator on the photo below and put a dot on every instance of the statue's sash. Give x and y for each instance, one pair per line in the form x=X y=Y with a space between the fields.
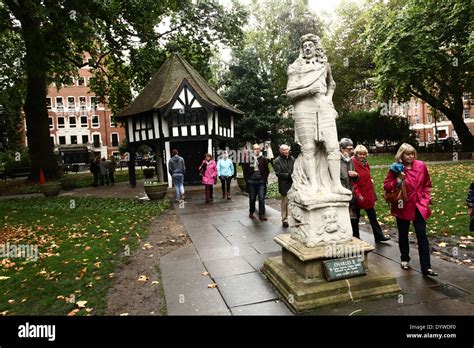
x=300 y=77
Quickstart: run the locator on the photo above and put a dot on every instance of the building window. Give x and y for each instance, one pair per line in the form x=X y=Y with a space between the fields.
x=62 y=140
x=113 y=123
x=96 y=138
x=81 y=81
x=60 y=122
x=190 y=117
x=429 y=137
x=84 y=121
x=417 y=118
x=115 y=139
x=48 y=102
x=93 y=103
x=71 y=103
x=82 y=104
x=73 y=139
x=51 y=124
x=59 y=102
x=85 y=139
x=70 y=81
x=95 y=121
x=72 y=122
x=466 y=113
x=466 y=96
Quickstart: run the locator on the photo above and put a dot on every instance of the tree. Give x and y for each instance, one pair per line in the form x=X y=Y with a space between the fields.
x=256 y=79
x=351 y=62
x=367 y=127
x=425 y=52
x=56 y=34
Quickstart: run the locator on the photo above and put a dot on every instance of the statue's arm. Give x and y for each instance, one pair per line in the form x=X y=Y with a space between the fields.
x=330 y=83
x=303 y=92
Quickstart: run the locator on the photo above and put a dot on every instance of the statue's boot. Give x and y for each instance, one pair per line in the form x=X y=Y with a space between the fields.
x=335 y=171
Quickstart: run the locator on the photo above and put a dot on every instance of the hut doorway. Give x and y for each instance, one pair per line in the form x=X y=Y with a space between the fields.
x=193 y=153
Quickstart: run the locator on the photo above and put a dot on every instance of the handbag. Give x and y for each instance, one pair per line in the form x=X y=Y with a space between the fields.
x=202 y=169
x=397 y=194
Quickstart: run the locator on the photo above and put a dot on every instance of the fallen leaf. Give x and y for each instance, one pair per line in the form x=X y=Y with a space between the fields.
x=143 y=278
x=3 y=277
x=73 y=312
x=212 y=285
x=11 y=301
x=155 y=282
x=124 y=314
x=205 y=273
x=81 y=304
x=442 y=244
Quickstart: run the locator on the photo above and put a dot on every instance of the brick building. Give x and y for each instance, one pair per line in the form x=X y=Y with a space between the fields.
x=80 y=127
x=423 y=119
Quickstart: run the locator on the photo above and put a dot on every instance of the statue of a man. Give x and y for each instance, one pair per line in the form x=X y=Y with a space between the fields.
x=310 y=89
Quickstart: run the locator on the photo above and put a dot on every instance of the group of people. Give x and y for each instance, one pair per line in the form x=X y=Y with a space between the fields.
x=355 y=176
x=407 y=172
x=103 y=170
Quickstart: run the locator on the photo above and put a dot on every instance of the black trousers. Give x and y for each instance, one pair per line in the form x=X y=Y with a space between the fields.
x=208 y=192
x=423 y=245
x=376 y=229
x=225 y=181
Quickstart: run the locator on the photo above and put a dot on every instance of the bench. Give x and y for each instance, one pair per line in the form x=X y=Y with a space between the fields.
x=17 y=172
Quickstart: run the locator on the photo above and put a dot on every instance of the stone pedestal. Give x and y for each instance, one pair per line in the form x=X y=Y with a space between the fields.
x=300 y=278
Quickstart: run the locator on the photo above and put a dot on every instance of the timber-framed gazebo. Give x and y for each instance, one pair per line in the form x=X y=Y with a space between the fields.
x=178 y=109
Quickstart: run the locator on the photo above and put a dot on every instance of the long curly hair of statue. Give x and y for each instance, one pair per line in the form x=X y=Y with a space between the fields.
x=320 y=54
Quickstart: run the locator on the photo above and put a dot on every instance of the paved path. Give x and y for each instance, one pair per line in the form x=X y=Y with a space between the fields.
x=229 y=249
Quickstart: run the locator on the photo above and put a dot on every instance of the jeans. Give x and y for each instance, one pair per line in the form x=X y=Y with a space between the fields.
x=178 y=180
x=225 y=181
x=104 y=179
x=423 y=246
x=284 y=208
x=376 y=229
x=257 y=187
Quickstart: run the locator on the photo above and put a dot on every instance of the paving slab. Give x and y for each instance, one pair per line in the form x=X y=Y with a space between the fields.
x=263 y=308
x=228 y=267
x=267 y=246
x=244 y=289
x=257 y=260
x=207 y=254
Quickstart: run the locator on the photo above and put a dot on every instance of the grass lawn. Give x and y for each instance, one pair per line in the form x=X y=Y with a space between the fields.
x=450 y=183
x=79 y=248
x=22 y=186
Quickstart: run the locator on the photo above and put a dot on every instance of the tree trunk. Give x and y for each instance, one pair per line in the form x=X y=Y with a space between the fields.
x=462 y=130
x=39 y=144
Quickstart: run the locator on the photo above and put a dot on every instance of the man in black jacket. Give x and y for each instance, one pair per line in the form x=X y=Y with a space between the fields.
x=283 y=167
x=256 y=175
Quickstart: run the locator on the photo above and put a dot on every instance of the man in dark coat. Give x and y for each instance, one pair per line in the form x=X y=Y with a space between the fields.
x=95 y=170
x=283 y=167
x=348 y=176
x=256 y=175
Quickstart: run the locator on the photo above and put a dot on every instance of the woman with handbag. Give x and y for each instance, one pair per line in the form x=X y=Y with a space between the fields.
x=208 y=170
x=364 y=193
x=225 y=172
x=408 y=186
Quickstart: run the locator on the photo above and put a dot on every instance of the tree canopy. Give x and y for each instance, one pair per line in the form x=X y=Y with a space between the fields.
x=127 y=40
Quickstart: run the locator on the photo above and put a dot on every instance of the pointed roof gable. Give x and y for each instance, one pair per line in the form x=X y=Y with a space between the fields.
x=166 y=82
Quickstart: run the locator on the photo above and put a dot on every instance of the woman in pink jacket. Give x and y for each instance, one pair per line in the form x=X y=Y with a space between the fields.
x=413 y=174
x=208 y=170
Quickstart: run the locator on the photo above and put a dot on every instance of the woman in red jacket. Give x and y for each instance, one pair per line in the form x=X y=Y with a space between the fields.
x=413 y=174
x=364 y=193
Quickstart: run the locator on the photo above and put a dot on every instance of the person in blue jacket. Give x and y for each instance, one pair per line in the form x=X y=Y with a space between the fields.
x=225 y=172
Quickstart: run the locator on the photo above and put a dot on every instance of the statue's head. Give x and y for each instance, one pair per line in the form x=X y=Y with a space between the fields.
x=311 y=47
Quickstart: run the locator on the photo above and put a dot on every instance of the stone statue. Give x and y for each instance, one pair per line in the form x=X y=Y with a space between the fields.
x=316 y=177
